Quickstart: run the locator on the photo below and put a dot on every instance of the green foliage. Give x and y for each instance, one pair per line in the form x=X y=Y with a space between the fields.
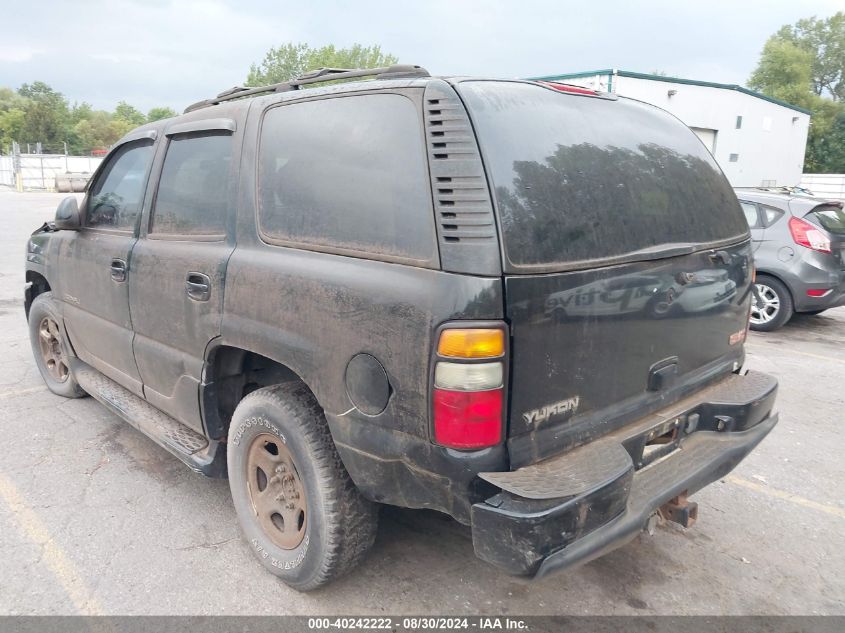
x=127 y=113
x=784 y=72
x=37 y=113
x=157 y=114
x=804 y=64
x=11 y=126
x=826 y=145
x=291 y=60
x=824 y=40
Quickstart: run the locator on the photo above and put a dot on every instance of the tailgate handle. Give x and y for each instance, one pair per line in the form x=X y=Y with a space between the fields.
x=663 y=373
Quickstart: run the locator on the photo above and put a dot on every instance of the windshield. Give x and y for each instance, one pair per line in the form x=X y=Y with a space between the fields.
x=580 y=179
x=830 y=217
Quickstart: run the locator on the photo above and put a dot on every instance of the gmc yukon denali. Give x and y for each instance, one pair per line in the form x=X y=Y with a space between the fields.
x=519 y=303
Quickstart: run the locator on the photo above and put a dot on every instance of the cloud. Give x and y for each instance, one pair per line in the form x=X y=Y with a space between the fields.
x=17 y=54
x=175 y=52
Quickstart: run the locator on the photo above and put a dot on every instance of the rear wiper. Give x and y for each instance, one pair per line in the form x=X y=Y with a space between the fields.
x=661 y=251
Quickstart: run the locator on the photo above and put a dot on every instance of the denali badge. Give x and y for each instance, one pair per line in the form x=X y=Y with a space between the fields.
x=538 y=416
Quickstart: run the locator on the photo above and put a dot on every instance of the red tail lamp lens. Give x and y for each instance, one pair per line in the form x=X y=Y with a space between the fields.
x=805 y=234
x=467 y=419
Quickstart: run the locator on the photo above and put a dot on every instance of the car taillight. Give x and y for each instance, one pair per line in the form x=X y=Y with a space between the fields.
x=805 y=234
x=468 y=395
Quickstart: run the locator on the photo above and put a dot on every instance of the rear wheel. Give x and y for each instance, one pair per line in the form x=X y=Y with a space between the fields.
x=771 y=305
x=48 y=346
x=300 y=512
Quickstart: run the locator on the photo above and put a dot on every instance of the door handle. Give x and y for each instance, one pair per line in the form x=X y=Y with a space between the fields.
x=118 y=269
x=198 y=286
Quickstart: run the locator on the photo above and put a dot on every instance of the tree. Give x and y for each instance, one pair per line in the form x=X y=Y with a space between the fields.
x=157 y=114
x=291 y=60
x=824 y=40
x=784 y=72
x=11 y=124
x=826 y=144
x=803 y=64
x=129 y=114
x=37 y=113
x=46 y=115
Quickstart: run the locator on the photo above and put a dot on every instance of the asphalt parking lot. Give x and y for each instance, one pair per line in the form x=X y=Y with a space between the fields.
x=95 y=518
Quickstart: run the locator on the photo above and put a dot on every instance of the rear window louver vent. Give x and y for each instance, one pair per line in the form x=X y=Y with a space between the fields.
x=464 y=211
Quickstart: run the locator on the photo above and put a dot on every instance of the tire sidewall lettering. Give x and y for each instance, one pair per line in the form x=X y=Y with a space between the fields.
x=257 y=421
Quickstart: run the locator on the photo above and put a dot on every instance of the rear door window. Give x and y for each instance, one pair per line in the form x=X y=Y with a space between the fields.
x=193 y=191
x=347 y=174
x=116 y=196
x=581 y=180
x=751 y=215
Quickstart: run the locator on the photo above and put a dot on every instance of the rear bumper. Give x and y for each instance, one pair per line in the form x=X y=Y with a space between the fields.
x=815 y=271
x=576 y=507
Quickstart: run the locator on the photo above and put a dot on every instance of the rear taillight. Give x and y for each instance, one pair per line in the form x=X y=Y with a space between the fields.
x=805 y=234
x=468 y=390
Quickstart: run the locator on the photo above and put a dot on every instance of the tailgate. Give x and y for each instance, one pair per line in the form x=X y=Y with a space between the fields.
x=594 y=350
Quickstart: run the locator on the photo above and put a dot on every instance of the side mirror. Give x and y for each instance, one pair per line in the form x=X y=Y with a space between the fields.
x=67 y=215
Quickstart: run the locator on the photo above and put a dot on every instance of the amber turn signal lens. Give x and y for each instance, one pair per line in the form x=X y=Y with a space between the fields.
x=471 y=343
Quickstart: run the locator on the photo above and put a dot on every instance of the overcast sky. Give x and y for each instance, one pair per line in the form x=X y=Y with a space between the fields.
x=175 y=52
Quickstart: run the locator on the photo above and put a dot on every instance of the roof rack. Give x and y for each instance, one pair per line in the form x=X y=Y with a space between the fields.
x=320 y=75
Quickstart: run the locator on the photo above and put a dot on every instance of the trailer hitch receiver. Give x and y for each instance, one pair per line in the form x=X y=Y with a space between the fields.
x=680 y=510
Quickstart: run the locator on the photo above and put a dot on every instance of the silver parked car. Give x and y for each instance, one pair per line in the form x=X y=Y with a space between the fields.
x=799 y=254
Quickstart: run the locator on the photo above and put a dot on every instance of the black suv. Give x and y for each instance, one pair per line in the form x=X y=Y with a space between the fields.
x=520 y=303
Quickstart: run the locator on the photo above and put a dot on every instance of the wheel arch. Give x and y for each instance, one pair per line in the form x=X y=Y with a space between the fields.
x=36 y=284
x=232 y=372
x=780 y=278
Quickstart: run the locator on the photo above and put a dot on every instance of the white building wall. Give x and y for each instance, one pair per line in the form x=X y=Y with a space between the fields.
x=825 y=185
x=769 y=146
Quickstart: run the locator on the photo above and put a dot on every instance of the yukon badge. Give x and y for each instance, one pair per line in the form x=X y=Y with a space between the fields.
x=538 y=416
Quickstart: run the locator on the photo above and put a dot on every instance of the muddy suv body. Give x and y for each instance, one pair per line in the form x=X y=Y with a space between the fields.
x=520 y=304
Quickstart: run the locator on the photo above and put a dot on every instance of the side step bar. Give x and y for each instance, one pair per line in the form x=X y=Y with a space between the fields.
x=198 y=452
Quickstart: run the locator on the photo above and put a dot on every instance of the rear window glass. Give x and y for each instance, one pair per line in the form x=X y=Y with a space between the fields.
x=579 y=178
x=831 y=218
x=347 y=173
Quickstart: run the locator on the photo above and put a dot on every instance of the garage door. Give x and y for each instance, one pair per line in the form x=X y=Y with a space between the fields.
x=707 y=136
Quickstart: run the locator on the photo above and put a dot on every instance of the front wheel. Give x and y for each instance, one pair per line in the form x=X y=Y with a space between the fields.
x=771 y=305
x=48 y=346
x=300 y=512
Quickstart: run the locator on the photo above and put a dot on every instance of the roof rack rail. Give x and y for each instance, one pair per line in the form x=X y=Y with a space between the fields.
x=320 y=75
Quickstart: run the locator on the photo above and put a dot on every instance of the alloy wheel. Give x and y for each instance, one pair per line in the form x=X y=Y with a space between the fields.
x=765 y=306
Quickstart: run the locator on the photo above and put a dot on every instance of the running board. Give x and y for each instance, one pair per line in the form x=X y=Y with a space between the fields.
x=200 y=454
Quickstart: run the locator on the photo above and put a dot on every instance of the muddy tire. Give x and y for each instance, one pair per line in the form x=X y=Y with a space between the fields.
x=46 y=336
x=771 y=305
x=304 y=520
